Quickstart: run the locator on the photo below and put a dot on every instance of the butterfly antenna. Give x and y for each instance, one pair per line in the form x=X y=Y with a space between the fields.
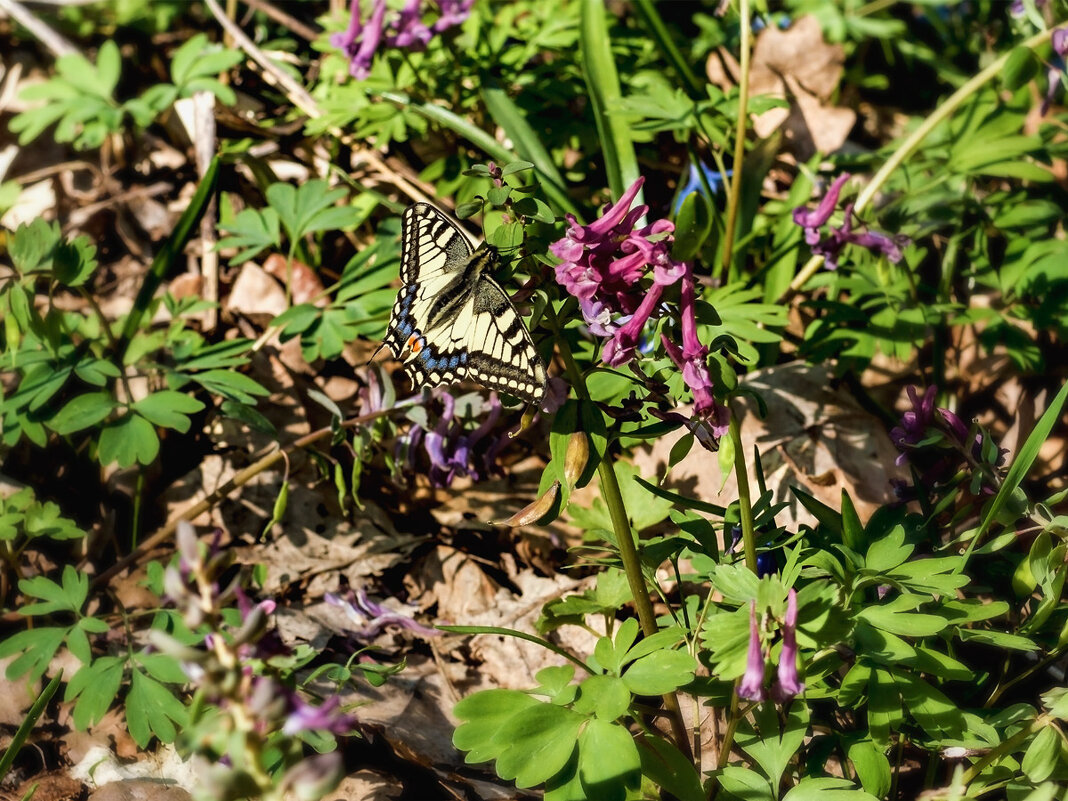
x=368 y=362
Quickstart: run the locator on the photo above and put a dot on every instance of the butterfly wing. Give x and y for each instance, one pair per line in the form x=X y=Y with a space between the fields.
x=451 y=321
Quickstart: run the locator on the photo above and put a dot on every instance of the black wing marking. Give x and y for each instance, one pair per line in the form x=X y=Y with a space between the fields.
x=431 y=243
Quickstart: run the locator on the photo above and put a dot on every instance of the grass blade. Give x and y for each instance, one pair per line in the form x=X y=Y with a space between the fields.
x=656 y=27
x=480 y=139
x=602 y=81
x=27 y=725
x=1020 y=465
x=171 y=250
x=527 y=144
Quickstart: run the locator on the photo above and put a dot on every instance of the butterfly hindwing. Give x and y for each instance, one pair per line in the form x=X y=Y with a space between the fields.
x=452 y=320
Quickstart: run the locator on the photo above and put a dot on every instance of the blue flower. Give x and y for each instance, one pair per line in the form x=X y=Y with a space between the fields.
x=716 y=182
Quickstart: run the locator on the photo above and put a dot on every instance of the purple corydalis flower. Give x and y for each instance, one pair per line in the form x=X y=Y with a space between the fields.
x=405 y=30
x=302 y=716
x=605 y=259
x=359 y=42
x=812 y=221
x=831 y=245
x=915 y=421
x=788 y=683
x=1059 y=40
x=453 y=12
x=411 y=33
x=373 y=617
x=752 y=685
x=453 y=450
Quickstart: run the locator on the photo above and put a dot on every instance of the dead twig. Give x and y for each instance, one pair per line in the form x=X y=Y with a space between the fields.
x=282 y=18
x=300 y=98
x=45 y=35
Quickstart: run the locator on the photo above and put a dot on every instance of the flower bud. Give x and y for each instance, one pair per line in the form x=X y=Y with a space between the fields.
x=253 y=627
x=313 y=778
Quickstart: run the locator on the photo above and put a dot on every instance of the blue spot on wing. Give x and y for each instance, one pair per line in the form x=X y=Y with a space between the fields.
x=454 y=361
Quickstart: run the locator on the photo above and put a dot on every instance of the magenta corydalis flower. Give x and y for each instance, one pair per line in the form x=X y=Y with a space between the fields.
x=752 y=685
x=788 y=683
x=830 y=246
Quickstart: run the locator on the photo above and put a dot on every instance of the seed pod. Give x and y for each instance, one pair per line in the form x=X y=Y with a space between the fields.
x=536 y=510
x=578 y=454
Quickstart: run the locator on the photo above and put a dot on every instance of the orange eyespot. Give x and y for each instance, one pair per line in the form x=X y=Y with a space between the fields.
x=414 y=345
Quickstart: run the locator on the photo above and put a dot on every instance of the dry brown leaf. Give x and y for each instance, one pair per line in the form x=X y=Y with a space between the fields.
x=306 y=286
x=797 y=65
x=16 y=696
x=814 y=437
x=256 y=292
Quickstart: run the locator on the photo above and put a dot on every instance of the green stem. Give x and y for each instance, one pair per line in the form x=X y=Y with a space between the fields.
x=739 y=142
x=909 y=146
x=628 y=551
x=745 y=503
x=1006 y=747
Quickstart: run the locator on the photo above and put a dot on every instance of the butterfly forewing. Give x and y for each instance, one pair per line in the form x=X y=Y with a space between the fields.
x=451 y=319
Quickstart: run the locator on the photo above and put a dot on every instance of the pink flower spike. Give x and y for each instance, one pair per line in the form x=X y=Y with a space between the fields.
x=615 y=213
x=752 y=685
x=788 y=683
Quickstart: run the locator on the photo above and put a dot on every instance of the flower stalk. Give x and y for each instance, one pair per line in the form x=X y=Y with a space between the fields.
x=628 y=552
x=745 y=501
x=739 y=141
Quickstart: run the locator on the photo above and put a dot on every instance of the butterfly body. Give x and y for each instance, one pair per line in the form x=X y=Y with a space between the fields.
x=451 y=320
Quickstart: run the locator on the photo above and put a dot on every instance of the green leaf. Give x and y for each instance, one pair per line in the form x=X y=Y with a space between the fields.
x=198 y=58
x=84 y=411
x=602 y=82
x=540 y=741
x=998 y=639
x=95 y=686
x=826 y=788
x=1042 y=755
x=108 y=66
x=168 y=409
x=485 y=714
x=169 y=253
x=872 y=767
x=35 y=647
x=152 y=710
x=666 y=766
x=252 y=231
x=299 y=208
x=230 y=384
x=607 y=697
x=892 y=617
x=1020 y=68
x=128 y=441
x=693 y=224
x=746 y=784
x=660 y=672
x=73 y=262
x=608 y=761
